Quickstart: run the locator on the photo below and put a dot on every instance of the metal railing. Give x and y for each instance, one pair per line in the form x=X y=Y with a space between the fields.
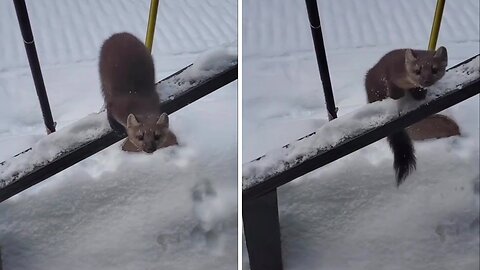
x=26 y=29
x=260 y=207
x=68 y=158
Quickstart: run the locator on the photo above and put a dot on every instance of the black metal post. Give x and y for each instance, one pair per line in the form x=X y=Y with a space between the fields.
x=262 y=232
x=318 y=43
x=24 y=22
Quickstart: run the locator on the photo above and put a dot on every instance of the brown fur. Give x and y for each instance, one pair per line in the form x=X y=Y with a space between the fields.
x=128 y=86
x=397 y=73
x=394 y=75
x=170 y=140
x=433 y=127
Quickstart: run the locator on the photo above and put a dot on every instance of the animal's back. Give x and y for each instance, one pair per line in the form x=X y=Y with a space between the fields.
x=128 y=79
x=378 y=77
x=126 y=66
x=128 y=86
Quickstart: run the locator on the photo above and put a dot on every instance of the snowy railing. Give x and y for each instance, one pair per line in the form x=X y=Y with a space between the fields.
x=351 y=132
x=92 y=134
x=338 y=138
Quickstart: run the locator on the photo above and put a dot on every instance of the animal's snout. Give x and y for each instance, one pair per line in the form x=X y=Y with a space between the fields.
x=151 y=148
x=427 y=82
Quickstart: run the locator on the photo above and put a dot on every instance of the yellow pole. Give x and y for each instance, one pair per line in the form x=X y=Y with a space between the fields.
x=152 y=18
x=437 y=19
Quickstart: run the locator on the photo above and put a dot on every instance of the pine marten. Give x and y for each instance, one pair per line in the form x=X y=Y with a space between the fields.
x=400 y=72
x=128 y=87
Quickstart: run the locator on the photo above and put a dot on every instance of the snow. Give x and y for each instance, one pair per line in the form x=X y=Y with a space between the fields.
x=96 y=125
x=349 y=214
x=351 y=125
x=207 y=65
x=50 y=147
x=174 y=209
x=211 y=63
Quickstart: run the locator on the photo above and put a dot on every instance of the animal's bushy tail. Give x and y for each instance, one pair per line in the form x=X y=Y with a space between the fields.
x=404 y=161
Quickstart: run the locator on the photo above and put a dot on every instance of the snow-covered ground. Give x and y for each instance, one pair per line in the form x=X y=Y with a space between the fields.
x=349 y=214
x=174 y=209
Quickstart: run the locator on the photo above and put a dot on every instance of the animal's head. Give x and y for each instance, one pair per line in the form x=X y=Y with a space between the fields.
x=426 y=68
x=148 y=133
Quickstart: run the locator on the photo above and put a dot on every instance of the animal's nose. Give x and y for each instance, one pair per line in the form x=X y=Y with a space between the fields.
x=151 y=148
x=428 y=82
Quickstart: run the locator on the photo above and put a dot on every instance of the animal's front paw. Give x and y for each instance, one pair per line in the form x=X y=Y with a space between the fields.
x=395 y=92
x=418 y=93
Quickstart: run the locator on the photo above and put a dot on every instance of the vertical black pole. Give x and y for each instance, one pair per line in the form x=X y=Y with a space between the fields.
x=24 y=22
x=262 y=232
x=317 y=36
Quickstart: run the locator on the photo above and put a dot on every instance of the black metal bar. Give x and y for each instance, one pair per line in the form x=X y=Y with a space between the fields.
x=74 y=156
x=350 y=145
x=319 y=45
x=24 y=22
x=196 y=93
x=262 y=232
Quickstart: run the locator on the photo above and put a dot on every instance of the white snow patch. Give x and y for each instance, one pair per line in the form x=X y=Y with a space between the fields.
x=349 y=214
x=117 y=210
x=207 y=65
x=50 y=147
x=351 y=125
x=96 y=125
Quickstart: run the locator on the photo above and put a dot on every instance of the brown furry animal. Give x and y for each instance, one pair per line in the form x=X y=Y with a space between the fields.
x=401 y=72
x=128 y=86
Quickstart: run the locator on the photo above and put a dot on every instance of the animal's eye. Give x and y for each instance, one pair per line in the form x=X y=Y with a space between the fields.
x=140 y=137
x=157 y=137
x=434 y=70
x=417 y=71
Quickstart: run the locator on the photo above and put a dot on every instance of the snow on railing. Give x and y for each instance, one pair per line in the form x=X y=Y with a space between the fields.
x=54 y=145
x=349 y=126
x=207 y=65
x=211 y=71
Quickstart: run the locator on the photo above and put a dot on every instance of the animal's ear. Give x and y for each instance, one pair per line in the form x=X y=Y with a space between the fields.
x=163 y=120
x=410 y=55
x=132 y=121
x=441 y=53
